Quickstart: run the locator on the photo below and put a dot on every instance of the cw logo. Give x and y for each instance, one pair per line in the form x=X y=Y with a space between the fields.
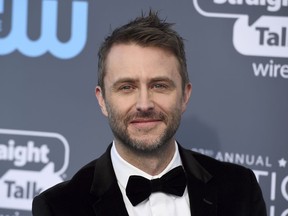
x=47 y=42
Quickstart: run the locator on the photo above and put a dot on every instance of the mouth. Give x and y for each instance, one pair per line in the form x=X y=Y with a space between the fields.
x=145 y=123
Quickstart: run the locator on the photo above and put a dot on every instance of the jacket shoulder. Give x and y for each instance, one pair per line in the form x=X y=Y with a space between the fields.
x=64 y=197
x=79 y=183
x=222 y=171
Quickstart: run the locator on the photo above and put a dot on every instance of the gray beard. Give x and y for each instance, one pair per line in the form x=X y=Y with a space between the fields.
x=141 y=147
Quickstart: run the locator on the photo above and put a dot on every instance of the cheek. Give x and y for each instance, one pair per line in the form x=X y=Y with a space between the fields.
x=119 y=105
x=172 y=100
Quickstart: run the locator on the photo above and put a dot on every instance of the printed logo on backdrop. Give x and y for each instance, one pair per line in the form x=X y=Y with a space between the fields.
x=261 y=29
x=269 y=170
x=14 y=27
x=31 y=162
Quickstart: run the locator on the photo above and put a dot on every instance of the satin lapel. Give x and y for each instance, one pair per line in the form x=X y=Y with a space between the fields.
x=201 y=189
x=105 y=190
x=111 y=204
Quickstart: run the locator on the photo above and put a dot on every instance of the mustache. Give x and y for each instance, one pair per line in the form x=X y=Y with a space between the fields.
x=146 y=115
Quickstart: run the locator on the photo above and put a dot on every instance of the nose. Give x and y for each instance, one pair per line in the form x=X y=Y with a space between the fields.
x=144 y=100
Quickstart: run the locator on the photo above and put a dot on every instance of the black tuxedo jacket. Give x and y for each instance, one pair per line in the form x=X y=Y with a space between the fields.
x=215 y=188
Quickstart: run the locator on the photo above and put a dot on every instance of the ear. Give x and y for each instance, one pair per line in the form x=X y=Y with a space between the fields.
x=186 y=96
x=101 y=100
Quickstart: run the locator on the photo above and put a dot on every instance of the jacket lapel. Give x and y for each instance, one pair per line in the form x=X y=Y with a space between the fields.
x=202 y=192
x=108 y=199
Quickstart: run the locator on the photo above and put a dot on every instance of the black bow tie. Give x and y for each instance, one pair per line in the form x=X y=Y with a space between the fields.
x=139 y=188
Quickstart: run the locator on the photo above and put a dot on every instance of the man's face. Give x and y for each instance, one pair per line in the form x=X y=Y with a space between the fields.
x=143 y=99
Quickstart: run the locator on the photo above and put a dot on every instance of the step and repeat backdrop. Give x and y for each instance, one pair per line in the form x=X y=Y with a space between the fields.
x=50 y=122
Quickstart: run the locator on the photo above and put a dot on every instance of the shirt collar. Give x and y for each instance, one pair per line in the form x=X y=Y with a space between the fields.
x=124 y=170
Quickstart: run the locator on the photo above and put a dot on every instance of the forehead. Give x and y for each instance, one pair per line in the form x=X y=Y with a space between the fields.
x=137 y=61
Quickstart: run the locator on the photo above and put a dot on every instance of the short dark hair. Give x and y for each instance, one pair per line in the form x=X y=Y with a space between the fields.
x=145 y=31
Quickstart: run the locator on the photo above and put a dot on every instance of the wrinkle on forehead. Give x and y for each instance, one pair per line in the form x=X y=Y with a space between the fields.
x=136 y=62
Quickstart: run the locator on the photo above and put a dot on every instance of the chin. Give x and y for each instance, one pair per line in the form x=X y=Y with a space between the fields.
x=147 y=147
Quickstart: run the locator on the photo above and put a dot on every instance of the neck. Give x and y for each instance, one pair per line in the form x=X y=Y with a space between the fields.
x=153 y=163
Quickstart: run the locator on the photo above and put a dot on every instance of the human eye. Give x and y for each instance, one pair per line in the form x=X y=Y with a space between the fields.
x=159 y=86
x=126 y=88
x=162 y=85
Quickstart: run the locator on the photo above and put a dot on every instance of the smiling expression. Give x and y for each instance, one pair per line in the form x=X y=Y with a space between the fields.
x=144 y=98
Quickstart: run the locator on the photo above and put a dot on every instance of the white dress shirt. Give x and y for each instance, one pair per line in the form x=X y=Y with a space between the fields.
x=158 y=204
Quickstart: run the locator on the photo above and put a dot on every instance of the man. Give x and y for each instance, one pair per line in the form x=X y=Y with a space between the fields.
x=143 y=89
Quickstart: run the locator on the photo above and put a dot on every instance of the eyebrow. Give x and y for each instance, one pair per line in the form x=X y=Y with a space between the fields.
x=124 y=80
x=163 y=79
x=152 y=80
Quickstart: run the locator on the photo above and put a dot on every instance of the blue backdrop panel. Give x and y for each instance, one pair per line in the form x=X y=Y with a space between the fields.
x=50 y=122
